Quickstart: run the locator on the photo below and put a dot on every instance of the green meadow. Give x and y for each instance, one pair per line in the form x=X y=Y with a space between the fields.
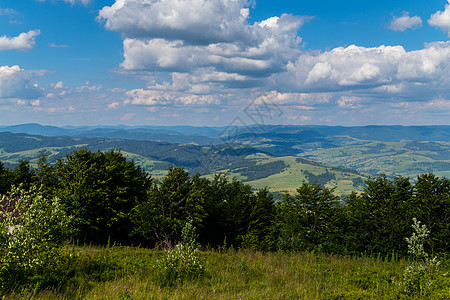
x=132 y=273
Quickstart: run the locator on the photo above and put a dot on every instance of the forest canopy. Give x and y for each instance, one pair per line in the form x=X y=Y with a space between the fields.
x=110 y=198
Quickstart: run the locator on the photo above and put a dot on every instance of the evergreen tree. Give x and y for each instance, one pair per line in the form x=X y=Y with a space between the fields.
x=99 y=190
x=432 y=207
x=306 y=220
x=6 y=179
x=175 y=201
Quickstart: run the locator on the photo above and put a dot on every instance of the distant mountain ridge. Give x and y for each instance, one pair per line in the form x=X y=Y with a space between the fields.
x=205 y=135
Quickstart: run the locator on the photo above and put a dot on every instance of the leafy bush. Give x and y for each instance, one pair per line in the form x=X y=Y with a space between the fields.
x=183 y=262
x=31 y=231
x=417 y=279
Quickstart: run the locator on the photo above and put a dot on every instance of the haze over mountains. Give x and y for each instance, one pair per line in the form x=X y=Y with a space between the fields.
x=152 y=132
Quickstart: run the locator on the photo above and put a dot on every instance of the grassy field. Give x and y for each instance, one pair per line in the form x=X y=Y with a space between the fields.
x=131 y=273
x=391 y=158
x=291 y=177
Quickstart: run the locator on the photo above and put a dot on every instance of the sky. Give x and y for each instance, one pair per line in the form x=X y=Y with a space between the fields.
x=211 y=62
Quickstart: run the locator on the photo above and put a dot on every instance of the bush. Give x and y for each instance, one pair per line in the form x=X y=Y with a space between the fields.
x=417 y=276
x=31 y=232
x=181 y=263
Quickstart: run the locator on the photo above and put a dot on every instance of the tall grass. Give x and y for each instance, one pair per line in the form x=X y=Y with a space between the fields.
x=131 y=273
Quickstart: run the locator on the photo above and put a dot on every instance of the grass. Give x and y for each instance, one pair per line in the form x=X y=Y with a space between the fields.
x=292 y=177
x=130 y=273
x=391 y=158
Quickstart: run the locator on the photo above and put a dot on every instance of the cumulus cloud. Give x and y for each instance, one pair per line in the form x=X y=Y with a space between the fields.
x=194 y=21
x=18 y=83
x=23 y=42
x=349 y=102
x=211 y=56
x=356 y=67
x=405 y=22
x=162 y=98
x=184 y=36
x=298 y=98
x=441 y=19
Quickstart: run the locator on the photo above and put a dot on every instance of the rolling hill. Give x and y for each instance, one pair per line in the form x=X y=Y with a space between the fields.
x=276 y=156
x=248 y=164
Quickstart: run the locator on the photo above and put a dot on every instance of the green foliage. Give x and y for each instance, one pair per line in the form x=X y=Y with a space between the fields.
x=378 y=219
x=46 y=178
x=23 y=174
x=102 y=273
x=306 y=221
x=260 y=233
x=431 y=205
x=417 y=276
x=31 y=232
x=5 y=179
x=182 y=263
x=170 y=204
x=99 y=190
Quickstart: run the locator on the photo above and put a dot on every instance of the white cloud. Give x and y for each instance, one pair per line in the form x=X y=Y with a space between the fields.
x=58 y=85
x=298 y=98
x=212 y=57
x=18 y=83
x=7 y=12
x=441 y=19
x=53 y=45
x=35 y=103
x=23 y=42
x=163 y=98
x=351 y=102
x=113 y=105
x=73 y=2
x=84 y=2
x=194 y=21
x=355 y=68
x=128 y=117
x=184 y=36
x=405 y=22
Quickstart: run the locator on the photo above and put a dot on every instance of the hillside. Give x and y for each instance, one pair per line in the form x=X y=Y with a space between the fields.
x=262 y=155
x=257 y=167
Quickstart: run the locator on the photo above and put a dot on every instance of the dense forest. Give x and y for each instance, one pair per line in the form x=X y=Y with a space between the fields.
x=109 y=198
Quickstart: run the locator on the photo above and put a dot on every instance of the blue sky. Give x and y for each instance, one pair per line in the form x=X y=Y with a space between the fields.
x=198 y=62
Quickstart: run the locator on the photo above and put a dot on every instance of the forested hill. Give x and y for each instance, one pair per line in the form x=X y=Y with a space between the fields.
x=258 y=167
x=190 y=156
x=392 y=150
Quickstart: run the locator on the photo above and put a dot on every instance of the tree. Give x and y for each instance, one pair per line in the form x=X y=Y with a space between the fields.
x=260 y=233
x=306 y=220
x=432 y=207
x=45 y=176
x=236 y=202
x=6 y=178
x=379 y=219
x=100 y=189
x=23 y=174
x=178 y=199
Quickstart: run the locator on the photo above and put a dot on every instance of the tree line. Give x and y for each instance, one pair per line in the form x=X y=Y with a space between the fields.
x=110 y=198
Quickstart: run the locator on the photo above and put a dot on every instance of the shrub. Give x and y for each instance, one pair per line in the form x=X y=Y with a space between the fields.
x=417 y=276
x=31 y=231
x=182 y=262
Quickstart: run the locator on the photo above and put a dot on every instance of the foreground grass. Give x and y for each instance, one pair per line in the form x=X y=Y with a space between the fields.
x=130 y=273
